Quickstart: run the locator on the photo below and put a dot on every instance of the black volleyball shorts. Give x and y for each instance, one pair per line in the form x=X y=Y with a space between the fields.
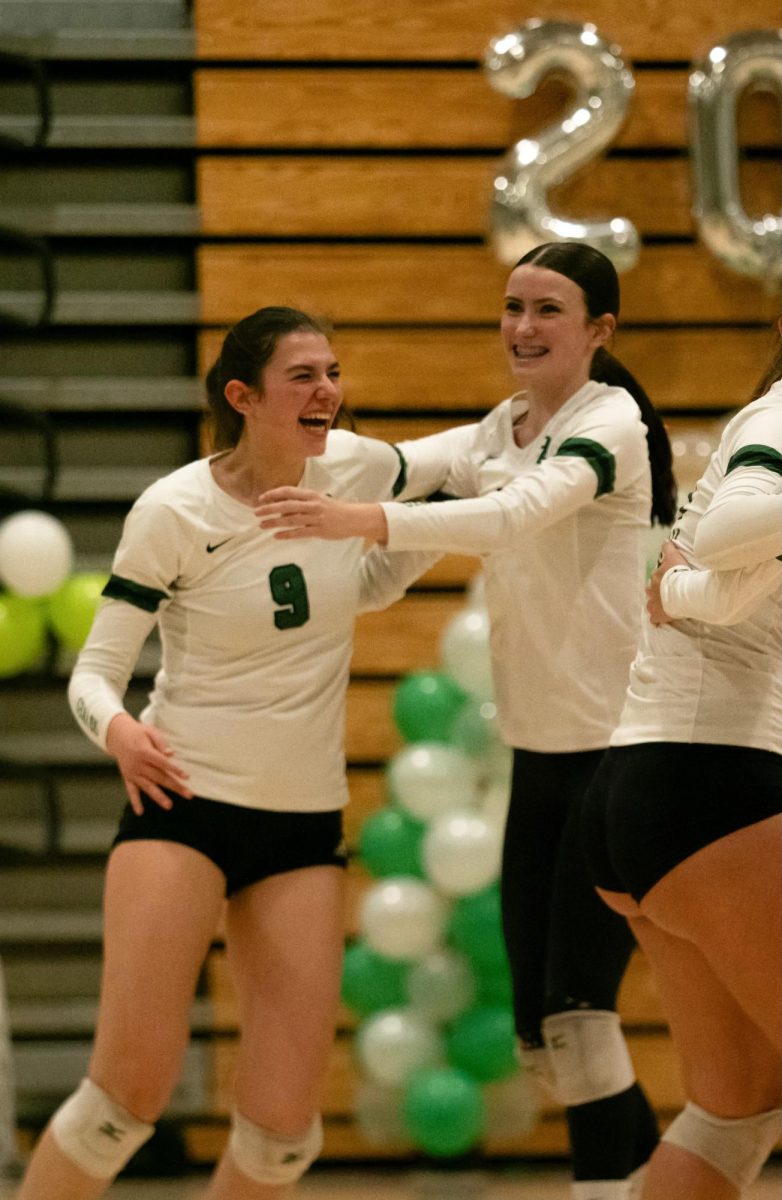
x=247 y=844
x=652 y=805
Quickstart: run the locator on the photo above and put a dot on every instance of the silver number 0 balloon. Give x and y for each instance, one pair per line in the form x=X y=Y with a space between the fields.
x=515 y=64
x=746 y=60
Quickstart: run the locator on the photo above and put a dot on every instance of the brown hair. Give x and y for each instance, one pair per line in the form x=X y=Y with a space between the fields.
x=247 y=348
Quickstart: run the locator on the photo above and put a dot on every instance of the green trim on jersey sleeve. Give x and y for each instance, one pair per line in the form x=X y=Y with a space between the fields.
x=600 y=460
x=756 y=456
x=401 y=478
x=134 y=593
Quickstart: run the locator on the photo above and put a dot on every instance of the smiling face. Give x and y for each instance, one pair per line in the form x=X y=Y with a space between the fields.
x=547 y=333
x=294 y=405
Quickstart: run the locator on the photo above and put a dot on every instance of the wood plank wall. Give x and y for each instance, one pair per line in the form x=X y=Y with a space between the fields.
x=345 y=166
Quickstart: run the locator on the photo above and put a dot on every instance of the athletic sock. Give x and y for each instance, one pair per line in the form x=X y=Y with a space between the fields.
x=611 y=1138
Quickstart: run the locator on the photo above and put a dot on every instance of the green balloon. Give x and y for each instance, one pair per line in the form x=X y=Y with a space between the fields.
x=371 y=982
x=476 y=929
x=496 y=987
x=22 y=634
x=444 y=1111
x=425 y=706
x=73 y=606
x=482 y=1042
x=390 y=844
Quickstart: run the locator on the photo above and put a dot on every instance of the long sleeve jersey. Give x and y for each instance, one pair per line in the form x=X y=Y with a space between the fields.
x=561 y=527
x=256 y=634
x=694 y=681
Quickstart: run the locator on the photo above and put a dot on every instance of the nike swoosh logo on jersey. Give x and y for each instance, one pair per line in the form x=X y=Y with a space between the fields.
x=211 y=549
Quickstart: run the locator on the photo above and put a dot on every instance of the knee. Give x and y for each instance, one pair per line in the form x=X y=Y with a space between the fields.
x=587 y=1055
x=735 y=1147
x=272 y=1158
x=96 y=1132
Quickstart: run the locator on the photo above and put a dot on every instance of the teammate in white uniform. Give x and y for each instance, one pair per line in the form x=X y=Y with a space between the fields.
x=684 y=820
x=235 y=772
x=555 y=490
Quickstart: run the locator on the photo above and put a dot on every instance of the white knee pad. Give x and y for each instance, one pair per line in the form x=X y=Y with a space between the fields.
x=536 y=1062
x=267 y=1157
x=96 y=1132
x=588 y=1055
x=736 y=1147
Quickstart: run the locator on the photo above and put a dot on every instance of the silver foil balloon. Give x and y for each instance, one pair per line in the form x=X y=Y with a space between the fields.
x=515 y=65
x=751 y=246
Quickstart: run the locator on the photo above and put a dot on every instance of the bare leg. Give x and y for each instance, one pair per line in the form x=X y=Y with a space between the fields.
x=285 y=938
x=728 y=1065
x=161 y=907
x=727 y=900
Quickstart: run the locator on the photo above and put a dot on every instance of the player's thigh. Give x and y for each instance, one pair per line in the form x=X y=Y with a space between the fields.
x=728 y=1065
x=285 y=939
x=727 y=900
x=162 y=904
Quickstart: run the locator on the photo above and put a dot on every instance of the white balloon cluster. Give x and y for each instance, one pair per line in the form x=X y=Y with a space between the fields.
x=41 y=596
x=429 y=1011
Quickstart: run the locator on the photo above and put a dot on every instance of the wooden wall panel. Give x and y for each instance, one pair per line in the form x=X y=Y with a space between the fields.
x=411 y=108
x=456 y=369
x=455 y=29
x=452 y=284
x=440 y=197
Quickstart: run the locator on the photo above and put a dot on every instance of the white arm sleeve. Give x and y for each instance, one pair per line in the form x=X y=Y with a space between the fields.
x=739 y=529
x=499 y=520
x=603 y=456
x=386 y=577
x=105 y=665
x=718 y=597
x=431 y=461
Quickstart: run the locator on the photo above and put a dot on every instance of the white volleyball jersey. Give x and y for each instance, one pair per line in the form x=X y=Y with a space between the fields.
x=256 y=634
x=561 y=525
x=697 y=682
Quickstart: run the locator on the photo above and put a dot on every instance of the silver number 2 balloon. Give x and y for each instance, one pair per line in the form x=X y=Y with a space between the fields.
x=752 y=246
x=515 y=65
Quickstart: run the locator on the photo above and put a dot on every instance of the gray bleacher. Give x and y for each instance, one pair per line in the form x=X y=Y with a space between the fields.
x=111 y=193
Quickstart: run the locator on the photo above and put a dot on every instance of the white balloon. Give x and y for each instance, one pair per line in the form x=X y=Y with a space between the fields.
x=402 y=918
x=378 y=1113
x=442 y=985
x=462 y=853
x=511 y=1106
x=36 y=553
x=465 y=654
x=428 y=778
x=394 y=1043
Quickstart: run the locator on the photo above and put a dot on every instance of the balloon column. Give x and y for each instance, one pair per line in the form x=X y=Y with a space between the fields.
x=42 y=598
x=427 y=977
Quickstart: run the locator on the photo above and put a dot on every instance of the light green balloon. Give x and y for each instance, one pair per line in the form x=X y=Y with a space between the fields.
x=73 y=606
x=22 y=634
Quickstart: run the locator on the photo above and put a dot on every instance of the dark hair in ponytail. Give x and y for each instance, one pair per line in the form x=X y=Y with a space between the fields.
x=772 y=374
x=247 y=348
x=596 y=276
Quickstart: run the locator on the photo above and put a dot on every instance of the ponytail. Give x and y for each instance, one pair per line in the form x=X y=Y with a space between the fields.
x=607 y=369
